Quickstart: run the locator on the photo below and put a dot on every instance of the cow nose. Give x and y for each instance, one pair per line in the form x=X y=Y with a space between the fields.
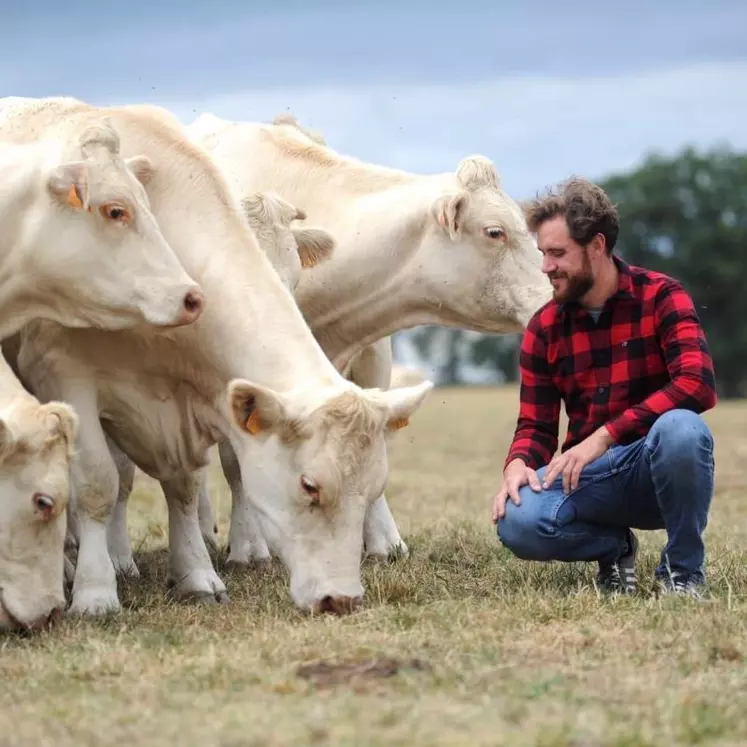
x=192 y=306
x=338 y=605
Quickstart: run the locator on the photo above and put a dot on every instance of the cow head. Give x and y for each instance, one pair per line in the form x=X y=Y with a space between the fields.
x=312 y=461
x=36 y=448
x=99 y=257
x=290 y=250
x=483 y=268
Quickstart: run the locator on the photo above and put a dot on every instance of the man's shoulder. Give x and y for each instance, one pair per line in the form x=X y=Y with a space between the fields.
x=649 y=283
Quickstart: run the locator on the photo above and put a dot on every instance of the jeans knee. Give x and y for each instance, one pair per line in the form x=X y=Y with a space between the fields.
x=681 y=432
x=526 y=532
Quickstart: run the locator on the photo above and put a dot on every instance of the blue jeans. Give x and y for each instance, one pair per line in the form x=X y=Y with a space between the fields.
x=661 y=481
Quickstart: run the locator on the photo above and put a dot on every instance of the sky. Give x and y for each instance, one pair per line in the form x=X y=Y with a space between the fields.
x=543 y=89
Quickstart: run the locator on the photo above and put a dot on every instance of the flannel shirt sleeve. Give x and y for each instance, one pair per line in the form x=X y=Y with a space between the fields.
x=536 y=436
x=692 y=383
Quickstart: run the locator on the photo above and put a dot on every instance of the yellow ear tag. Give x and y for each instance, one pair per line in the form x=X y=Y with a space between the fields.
x=252 y=423
x=72 y=198
x=395 y=425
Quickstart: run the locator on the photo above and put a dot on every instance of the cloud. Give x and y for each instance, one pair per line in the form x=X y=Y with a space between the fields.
x=537 y=129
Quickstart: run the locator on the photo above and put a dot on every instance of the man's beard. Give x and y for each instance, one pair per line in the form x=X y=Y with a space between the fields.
x=578 y=285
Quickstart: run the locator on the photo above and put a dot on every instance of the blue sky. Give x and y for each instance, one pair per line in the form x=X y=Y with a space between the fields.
x=544 y=89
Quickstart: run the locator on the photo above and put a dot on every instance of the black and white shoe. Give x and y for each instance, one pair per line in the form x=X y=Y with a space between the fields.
x=619 y=577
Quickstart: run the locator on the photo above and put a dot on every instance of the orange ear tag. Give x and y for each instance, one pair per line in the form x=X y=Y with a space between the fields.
x=252 y=423
x=395 y=425
x=72 y=198
x=310 y=259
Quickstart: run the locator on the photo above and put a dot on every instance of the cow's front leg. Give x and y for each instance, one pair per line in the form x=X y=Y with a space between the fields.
x=118 y=538
x=372 y=367
x=208 y=524
x=381 y=538
x=95 y=482
x=246 y=545
x=191 y=572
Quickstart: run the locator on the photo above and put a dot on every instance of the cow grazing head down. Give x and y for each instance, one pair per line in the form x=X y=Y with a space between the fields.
x=36 y=449
x=323 y=462
x=290 y=250
x=483 y=263
x=99 y=254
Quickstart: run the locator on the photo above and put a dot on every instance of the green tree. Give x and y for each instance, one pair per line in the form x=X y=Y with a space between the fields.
x=687 y=216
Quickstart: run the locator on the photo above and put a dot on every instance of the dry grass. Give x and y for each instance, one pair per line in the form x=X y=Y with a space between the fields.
x=493 y=651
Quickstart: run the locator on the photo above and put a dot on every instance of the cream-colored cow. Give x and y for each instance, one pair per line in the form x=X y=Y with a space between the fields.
x=36 y=447
x=78 y=242
x=290 y=250
x=449 y=249
x=310 y=443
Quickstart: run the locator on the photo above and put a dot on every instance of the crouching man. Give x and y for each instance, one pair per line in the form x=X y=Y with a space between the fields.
x=623 y=348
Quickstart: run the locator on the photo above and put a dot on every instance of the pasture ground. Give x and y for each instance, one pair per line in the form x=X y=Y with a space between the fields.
x=494 y=651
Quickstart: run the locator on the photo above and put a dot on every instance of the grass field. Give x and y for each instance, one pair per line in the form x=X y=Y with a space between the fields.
x=461 y=644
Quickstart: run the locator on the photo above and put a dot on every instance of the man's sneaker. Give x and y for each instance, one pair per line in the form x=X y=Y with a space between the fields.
x=619 y=577
x=679 y=583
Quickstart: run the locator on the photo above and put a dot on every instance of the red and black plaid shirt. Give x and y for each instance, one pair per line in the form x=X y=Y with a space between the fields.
x=646 y=354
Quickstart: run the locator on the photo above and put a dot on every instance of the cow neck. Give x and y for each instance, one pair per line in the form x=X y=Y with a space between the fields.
x=251 y=327
x=371 y=289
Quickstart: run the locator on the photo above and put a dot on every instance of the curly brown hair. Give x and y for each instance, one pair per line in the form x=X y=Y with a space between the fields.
x=586 y=208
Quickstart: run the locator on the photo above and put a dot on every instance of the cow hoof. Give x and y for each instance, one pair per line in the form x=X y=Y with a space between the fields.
x=94 y=601
x=206 y=597
x=252 y=564
x=388 y=554
x=201 y=585
x=125 y=567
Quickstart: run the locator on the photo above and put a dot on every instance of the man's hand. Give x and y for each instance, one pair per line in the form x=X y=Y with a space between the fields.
x=515 y=475
x=572 y=462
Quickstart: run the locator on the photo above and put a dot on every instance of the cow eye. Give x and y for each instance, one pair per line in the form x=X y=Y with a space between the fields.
x=494 y=233
x=44 y=504
x=116 y=213
x=311 y=489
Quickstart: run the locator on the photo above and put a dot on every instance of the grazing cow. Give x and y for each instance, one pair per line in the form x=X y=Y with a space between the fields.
x=310 y=443
x=78 y=242
x=36 y=446
x=450 y=249
x=290 y=250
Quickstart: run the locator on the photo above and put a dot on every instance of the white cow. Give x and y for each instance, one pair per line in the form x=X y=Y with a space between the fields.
x=36 y=447
x=310 y=444
x=78 y=242
x=450 y=249
x=290 y=250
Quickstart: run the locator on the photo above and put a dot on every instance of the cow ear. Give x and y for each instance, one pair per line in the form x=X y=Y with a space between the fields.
x=61 y=421
x=315 y=245
x=68 y=183
x=255 y=409
x=142 y=167
x=449 y=210
x=402 y=402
